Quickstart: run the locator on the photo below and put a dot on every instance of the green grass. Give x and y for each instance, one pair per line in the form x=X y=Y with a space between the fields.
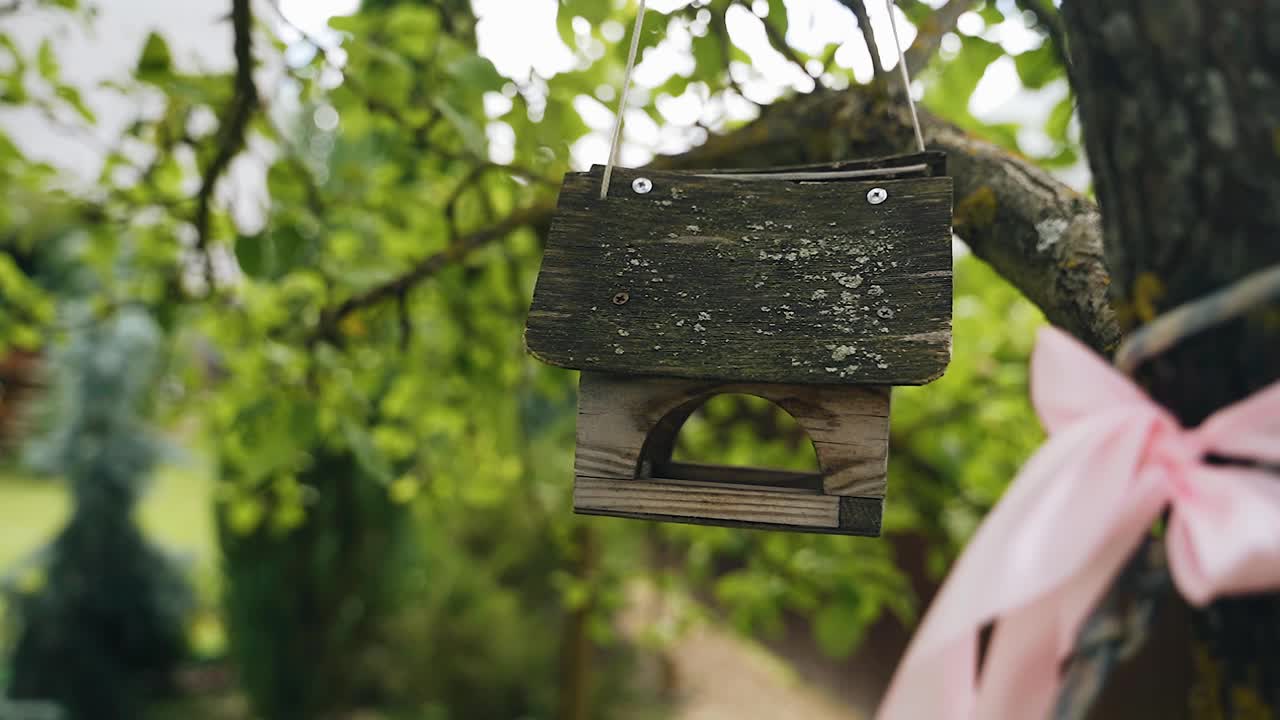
x=177 y=514
x=31 y=511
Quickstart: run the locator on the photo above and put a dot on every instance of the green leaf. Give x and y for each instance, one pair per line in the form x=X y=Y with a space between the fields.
x=828 y=55
x=838 y=627
x=367 y=455
x=990 y=13
x=777 y=17
x=564 y=26
x=477 y=73
x=468 y=128
x=388 y=75
x=1039 y=67
x=156 y=62
x=917 y=12
x=354 y=24
x=71 y=96
x=14 y=53
x=652 y=32
x=949 y=93
x=413 y=29
x=1066 y=157
x=13 y=89
x=594 y=11
x=273 y=253
x=419 y=22
x=47 y=62
x=168 y=175
x=251 y=255
x=1060 y=119
x=708 y=53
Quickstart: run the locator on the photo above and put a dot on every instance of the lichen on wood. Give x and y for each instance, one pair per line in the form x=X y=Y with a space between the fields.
x=1068 y=280
x=762 y=281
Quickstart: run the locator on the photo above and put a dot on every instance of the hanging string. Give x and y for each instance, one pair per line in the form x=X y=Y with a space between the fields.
x=622 y=103
x=1196 y=316
x=616 y=140
x=906 y=74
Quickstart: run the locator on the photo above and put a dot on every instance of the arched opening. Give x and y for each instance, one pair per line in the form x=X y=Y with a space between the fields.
x=732 y=438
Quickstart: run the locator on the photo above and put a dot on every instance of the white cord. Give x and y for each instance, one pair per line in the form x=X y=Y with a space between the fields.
x=906 y=74
x=622 y=103
x=616 y=141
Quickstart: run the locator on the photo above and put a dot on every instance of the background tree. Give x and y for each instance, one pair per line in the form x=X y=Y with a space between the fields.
x=105 y=628
x=1176 y=228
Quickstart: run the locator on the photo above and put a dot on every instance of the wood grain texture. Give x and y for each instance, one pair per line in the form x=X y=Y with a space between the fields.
x=706 y=501
x=627 y=427
x=748 y=280
x=747 y=477
x=856 y=516
x=1041 y=235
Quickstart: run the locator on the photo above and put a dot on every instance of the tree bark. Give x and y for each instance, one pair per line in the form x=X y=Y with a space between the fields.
x=1180 y=101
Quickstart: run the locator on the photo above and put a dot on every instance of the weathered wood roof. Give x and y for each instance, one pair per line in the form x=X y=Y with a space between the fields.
x=754 y=276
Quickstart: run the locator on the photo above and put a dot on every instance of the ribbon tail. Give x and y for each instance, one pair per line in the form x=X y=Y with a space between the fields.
x=939 y=686
x=1078 y=500
x=1021 y=677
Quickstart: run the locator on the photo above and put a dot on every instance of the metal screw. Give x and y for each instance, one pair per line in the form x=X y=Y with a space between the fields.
x=875 y=196
x=621 y=298
x=642 y=185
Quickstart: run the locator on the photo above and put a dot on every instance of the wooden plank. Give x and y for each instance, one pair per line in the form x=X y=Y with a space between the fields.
x=858 y=516
x=774 y=479
x=627 y=426
x=705 y=501
x=748 y=280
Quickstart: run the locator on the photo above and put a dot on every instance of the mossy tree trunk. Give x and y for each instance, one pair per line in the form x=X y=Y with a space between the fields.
x=1180 y=101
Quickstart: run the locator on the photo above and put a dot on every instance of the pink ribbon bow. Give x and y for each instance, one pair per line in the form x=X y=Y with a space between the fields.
x=1077 y=511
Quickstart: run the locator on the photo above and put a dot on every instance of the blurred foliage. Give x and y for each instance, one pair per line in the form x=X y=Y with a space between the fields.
x=976 y=51
x=959 y=441
x=394 y=471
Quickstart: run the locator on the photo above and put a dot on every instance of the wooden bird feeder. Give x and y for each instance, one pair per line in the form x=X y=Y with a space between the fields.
x=816 y=288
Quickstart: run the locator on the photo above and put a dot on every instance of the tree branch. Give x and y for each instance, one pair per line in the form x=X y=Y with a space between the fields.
x=779 y=43
x=726 y=55
x=859 y=10
x=432 y=264
x=1040 y=235
x=231 y=135
x=930 y=33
